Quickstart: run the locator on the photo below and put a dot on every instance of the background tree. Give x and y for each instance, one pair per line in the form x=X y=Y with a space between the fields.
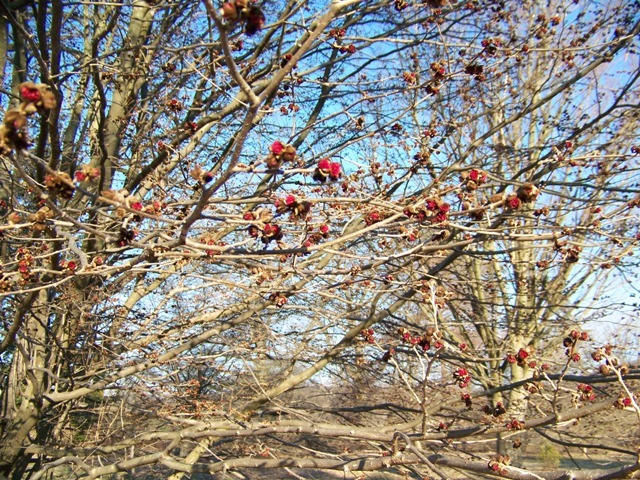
x=314 y=235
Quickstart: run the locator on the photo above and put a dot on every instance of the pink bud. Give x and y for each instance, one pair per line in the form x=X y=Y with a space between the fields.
x=335 y=170
x=324 y=164
x=30 y=94
x=277 y=147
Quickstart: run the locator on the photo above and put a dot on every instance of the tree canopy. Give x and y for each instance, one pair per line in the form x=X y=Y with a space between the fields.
x=386 y=237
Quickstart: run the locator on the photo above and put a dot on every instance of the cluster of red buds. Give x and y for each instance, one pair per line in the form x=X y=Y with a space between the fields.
x=337 y=32
x=59 y=183
x=35 y=98
x=466 y=398
x=278 y=299
x=213 y=243
x=440 y=208
x=513 y=202
x=462 y=377
x=570 y=253
x=297 y=209
x=438 y=71
x=495 y=411
x=526 y=193
x=126 y=201
x=372 y=217
x=316 y=237
x=242 y=11
x=153 y=208
x=86 y=172
x=586 y=392
x=425 y=341
x=287 y=109
x=514 y=424
x=69 y=266
x=25 y=262
x=563 y=150
x=430 y=132
x=261 y=215
x=174 y=105
x=611 y=362
x=439 y=293
x=521 y=359
x=327 y=169
x=279 y=152
x=498 y=465
x=433 y=209
x=623 y=402
x=407 y=337
x=473 y=178
x=347 y=49
x=491 y=45
x=570 y=342
x=368 y=334
x=266 y=232
x=409 y=78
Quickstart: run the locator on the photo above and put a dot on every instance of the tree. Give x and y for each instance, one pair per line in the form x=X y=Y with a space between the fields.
x=302 y=235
